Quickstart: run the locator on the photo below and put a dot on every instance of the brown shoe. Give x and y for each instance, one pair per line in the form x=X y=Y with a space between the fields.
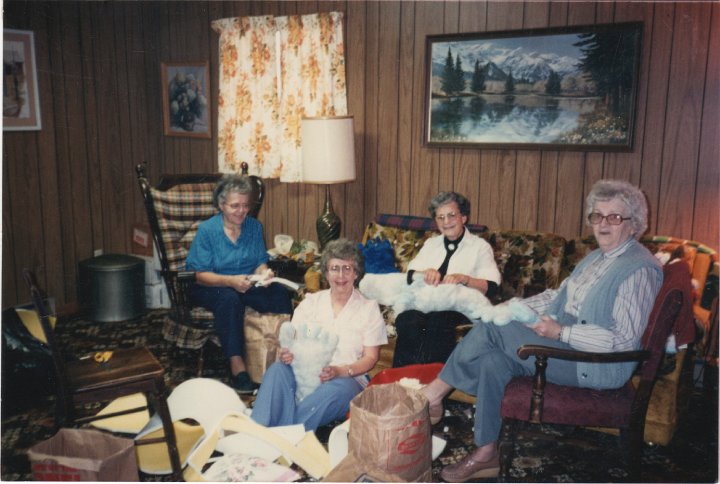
x=436 y=413
x=470 y=469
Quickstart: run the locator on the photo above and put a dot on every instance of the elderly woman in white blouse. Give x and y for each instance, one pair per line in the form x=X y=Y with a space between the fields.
x=603 y=306
x=454 y=256
x=360 y=328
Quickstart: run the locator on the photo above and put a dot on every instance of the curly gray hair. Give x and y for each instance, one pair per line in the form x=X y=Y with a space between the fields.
x=345 y=250
x=230 y=184
x=444 y=198
x=633 y=198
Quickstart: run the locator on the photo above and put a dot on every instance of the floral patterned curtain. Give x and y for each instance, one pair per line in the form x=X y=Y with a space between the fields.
x=274 y=71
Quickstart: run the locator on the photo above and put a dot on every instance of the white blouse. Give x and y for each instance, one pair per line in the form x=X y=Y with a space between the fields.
x=359 y=324
x=474 y=257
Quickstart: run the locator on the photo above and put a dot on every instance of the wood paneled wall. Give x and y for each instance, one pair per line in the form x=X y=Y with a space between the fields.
x=70 y=188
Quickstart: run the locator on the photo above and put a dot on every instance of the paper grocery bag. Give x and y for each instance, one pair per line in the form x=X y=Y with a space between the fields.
x=261 y=341
x=83 y=455
x=390 y=437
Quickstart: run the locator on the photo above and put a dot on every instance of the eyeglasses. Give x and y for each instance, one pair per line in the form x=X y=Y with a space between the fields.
x=237 y=206
x=343 y=269
x=612 y=218
x=447 y=216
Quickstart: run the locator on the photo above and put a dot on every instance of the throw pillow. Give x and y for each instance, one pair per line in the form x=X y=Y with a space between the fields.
x=379 y=256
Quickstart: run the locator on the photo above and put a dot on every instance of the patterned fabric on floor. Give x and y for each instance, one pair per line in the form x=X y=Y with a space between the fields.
x=547 y=454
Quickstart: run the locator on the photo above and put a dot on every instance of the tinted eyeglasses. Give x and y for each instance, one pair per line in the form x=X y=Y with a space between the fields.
x=343 y=269
x=448 y=216
x=612 y=218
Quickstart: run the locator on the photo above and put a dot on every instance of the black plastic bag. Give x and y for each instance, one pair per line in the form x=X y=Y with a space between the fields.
x=27 y=367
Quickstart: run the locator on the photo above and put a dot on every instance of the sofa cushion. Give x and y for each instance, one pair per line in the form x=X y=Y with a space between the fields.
x=575 y=250
x=529 y=262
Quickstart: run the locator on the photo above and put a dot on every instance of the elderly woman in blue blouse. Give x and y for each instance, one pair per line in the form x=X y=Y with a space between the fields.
x=603 y=306
x=228 y=249
x=360 y=328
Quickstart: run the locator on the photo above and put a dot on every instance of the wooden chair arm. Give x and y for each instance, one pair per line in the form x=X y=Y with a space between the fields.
x=545 y=352
x=542 y=353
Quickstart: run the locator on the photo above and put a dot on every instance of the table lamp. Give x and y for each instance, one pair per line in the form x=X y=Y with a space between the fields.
x=328 y=156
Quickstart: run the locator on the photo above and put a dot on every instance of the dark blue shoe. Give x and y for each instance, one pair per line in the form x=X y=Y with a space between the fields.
x=243 y=384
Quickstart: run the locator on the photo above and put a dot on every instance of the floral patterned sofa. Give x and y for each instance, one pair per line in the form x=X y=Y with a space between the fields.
x=533 y=261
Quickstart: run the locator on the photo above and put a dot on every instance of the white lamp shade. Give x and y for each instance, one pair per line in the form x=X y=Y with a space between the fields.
x=328 y=151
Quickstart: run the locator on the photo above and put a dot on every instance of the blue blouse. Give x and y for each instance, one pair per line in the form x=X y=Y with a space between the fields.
x=213 y=251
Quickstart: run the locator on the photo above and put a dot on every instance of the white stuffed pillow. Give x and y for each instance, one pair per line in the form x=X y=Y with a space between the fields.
x=393 y=290
x=312 y=347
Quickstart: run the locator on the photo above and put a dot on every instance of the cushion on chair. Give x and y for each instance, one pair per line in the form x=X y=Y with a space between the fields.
x=606 y=408
x=188 y=337
x=178 y=210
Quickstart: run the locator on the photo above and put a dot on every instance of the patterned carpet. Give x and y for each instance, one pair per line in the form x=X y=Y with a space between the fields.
x=547 y=454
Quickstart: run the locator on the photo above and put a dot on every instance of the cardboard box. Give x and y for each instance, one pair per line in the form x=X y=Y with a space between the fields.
x=141 y=240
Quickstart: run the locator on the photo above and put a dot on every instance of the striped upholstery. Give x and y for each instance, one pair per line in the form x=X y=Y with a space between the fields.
x=179 y=211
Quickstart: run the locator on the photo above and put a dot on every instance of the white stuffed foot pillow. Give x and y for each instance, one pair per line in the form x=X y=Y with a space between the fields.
x=384 y=288
x=393 y=290
x=312 y=347
x=512 y=310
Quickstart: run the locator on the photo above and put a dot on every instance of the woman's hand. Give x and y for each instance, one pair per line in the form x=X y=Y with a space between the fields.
x=240 y=283
x=432 y=277
x=547 y=327
x=329 y=372
x=456 y=279
x=265 y=271
x=285 y=356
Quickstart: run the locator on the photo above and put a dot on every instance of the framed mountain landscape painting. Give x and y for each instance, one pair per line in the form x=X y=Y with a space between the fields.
x=571 y=88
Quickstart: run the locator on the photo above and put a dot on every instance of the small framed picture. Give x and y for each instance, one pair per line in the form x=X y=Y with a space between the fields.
x=186 y=99
x=21 y=102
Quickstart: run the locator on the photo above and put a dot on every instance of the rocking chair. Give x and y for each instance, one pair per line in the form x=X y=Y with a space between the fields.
x=175 y=207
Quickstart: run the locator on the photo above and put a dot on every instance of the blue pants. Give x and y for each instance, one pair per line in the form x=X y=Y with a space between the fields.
x=485 y=361
x=228 y=307
x=275 y=402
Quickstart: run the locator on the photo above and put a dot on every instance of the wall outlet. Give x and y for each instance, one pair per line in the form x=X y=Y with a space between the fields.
x=97 y=252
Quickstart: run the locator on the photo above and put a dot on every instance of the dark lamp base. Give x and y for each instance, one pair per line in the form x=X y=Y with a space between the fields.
x=328 y=223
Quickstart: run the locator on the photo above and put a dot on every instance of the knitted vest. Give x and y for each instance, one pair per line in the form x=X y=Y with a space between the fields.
x=597 y=309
